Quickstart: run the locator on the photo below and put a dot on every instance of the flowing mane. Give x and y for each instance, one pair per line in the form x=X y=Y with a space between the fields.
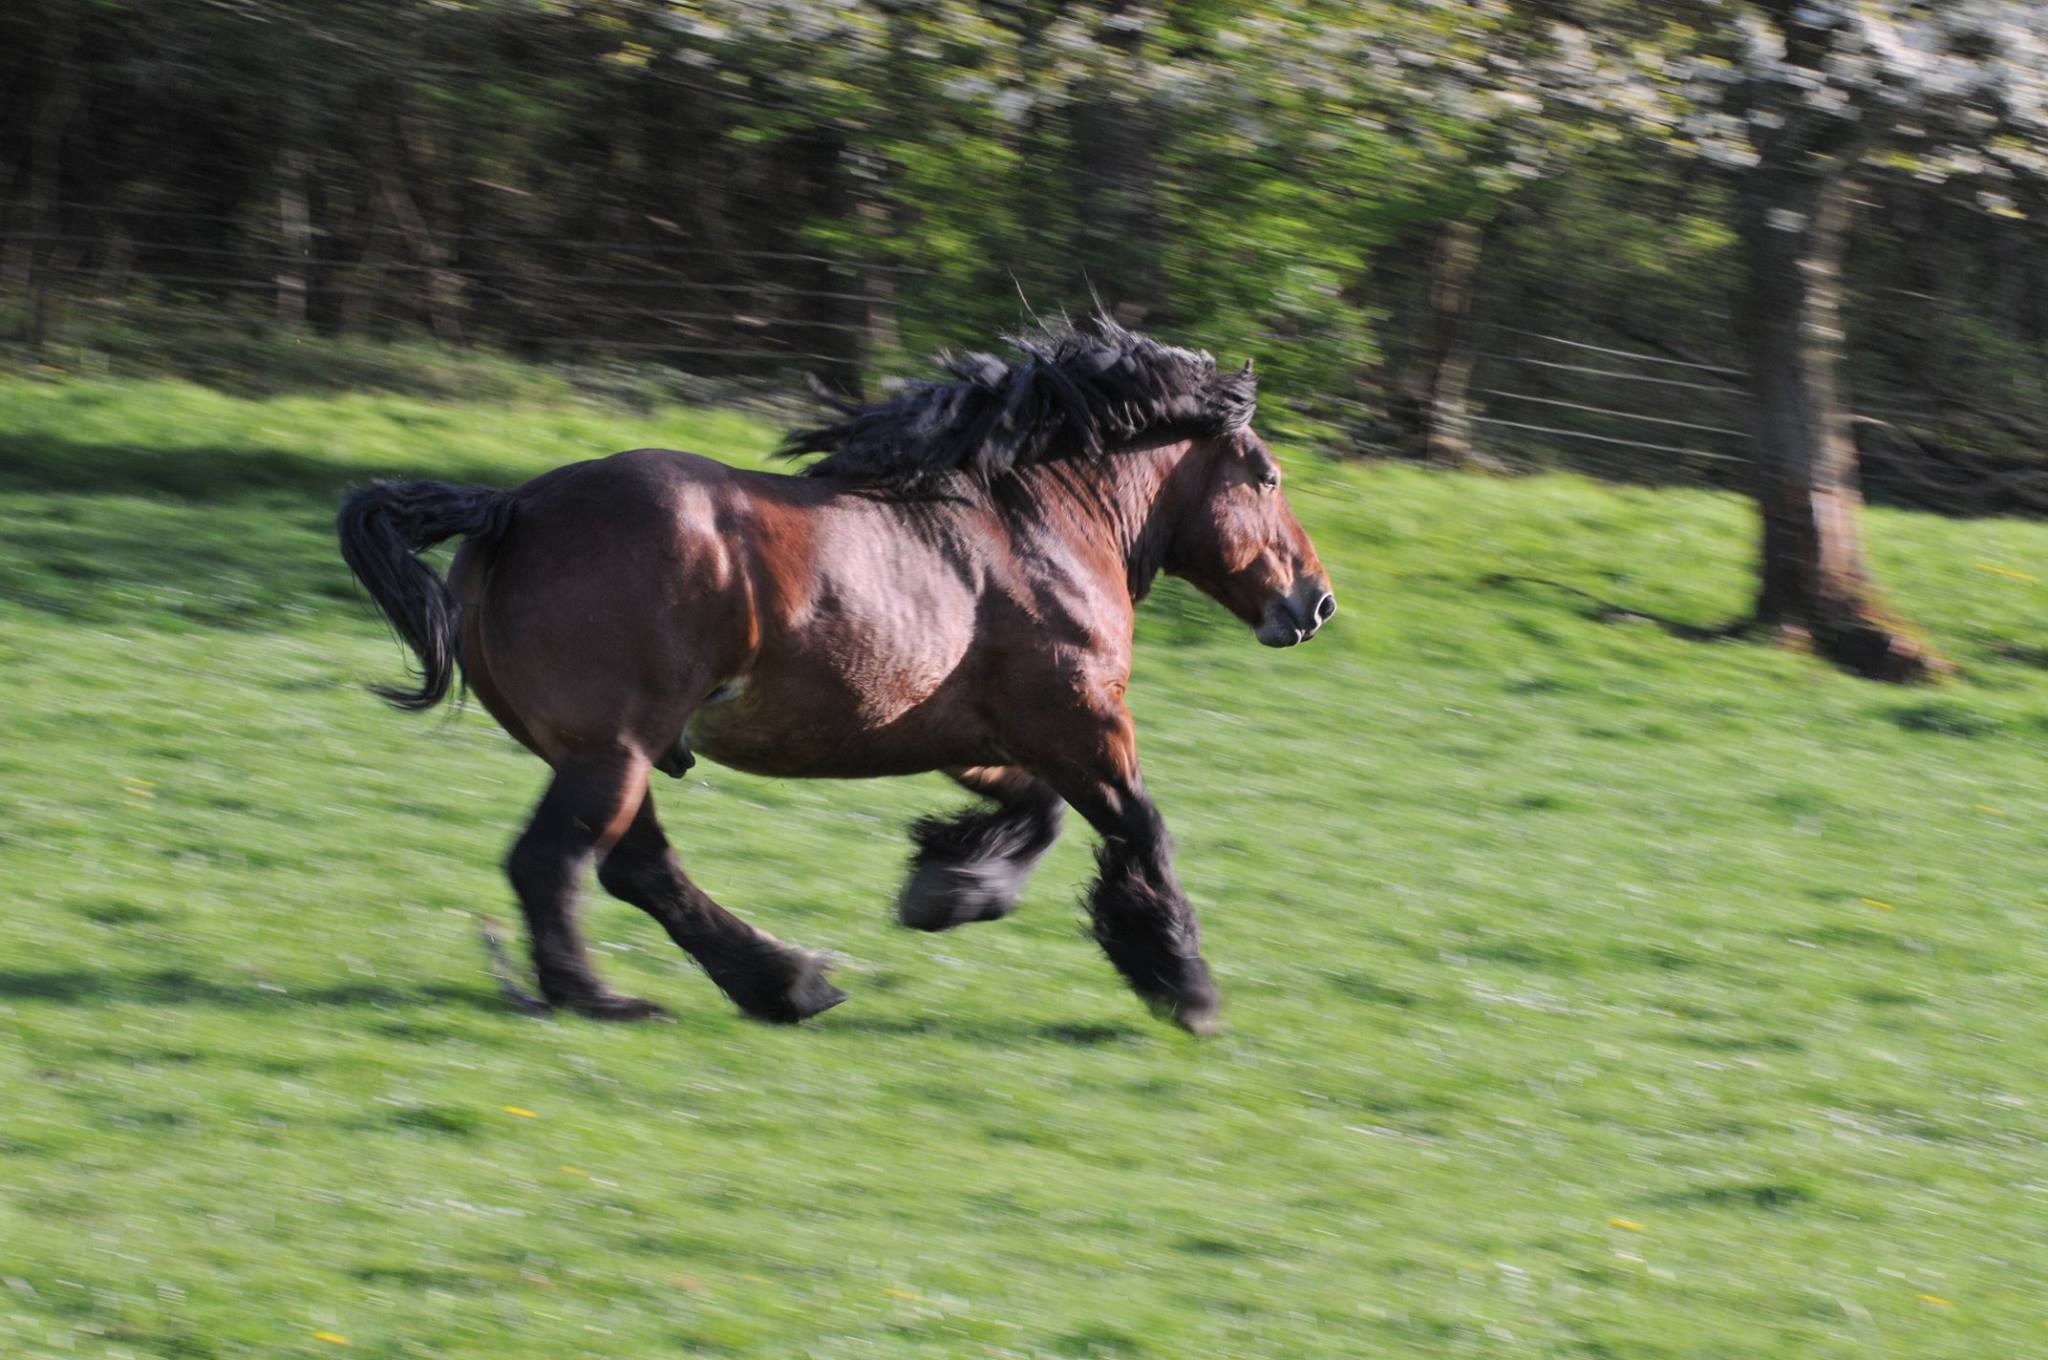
x=1073 y=392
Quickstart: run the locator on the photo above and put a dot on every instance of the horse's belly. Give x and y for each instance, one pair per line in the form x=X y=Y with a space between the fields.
x=807 y=743
x=847 y=712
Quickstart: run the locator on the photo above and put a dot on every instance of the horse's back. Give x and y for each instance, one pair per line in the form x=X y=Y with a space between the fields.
x=622 y=483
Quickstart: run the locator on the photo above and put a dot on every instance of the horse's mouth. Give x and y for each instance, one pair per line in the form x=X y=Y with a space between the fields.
x=1299 y=613
x=1288 y=623
x=1281 y=631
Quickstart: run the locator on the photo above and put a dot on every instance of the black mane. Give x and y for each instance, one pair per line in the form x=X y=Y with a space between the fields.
x=1072 y=393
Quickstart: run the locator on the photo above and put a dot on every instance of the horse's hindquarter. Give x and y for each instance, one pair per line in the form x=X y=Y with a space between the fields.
x=610 y=606
x=869 y=657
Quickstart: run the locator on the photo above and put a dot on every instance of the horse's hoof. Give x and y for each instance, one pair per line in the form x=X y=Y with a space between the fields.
x=610 y=1007
x=940 y=896
x=814 y=996
x=807 y=994
x=1203 y=1021
x=1200 y=1015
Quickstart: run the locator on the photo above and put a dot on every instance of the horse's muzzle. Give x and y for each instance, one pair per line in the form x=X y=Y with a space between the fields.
x=1297 y=616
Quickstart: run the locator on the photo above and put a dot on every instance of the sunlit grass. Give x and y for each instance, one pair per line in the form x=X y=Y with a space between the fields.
x=1592 y=992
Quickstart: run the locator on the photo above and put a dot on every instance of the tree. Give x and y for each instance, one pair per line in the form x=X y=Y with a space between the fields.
x=1352 y=189
x=1799 y=102
x=1822 y=93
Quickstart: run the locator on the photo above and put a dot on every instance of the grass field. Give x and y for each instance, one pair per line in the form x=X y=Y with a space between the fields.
x=1592 y=992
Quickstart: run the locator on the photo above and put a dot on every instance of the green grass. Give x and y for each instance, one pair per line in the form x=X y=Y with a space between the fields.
x=1593 y=992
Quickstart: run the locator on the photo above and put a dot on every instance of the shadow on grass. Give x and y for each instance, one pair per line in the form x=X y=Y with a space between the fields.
x=147 y=563
x=1769 y=1196
x=179 y=987
x=209 y=473
x=983 y=1029
x=2018 y=653
x=221 y=536
x=182 y=987
x=1607 y=611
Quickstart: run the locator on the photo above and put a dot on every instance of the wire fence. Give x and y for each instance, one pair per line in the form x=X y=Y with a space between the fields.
x=717 y=306
x=696 y=306
x=1537 y=397
x=1537 y=393
x=1897 y=460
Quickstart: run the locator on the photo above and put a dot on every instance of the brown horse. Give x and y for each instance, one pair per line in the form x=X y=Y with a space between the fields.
x=950 y=588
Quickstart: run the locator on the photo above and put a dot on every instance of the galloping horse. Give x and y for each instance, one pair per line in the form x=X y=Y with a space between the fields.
x=951 y=587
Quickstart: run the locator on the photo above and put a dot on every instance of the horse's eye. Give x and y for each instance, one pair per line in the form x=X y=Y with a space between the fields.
x=1269 y=480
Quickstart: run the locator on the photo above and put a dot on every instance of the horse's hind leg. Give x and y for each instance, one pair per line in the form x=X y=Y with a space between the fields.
x=972 y=867
x=584 y=810
x=766 y=978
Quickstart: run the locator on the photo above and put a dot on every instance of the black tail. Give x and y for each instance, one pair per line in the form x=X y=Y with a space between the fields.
x=382 y=527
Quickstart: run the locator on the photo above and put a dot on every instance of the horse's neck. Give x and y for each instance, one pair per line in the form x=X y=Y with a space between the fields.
x=1120 y=504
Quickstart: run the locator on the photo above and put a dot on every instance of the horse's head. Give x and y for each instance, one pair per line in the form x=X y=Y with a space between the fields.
x=1239 y=542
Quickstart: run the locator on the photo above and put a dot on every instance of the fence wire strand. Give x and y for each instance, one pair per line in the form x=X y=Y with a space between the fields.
x=1609 y=439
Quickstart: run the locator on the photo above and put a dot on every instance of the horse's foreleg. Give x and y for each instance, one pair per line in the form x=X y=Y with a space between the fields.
x=584 y=810
x=1141 y=917
x=971 y=867
x=766 y=978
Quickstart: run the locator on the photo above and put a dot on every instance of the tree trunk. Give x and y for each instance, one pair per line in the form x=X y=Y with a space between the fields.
x=421 y=159
x=1447 y=416
x=1116 y=176
x=443 y=291
x=295 y=238
x=46 y=181
x=1815 y=588
x=878 y=283
x=834 y=317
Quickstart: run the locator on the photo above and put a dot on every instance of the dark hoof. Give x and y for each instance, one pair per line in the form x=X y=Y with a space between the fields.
x=612 y=1007
x=1203 y=1019
x=1194 y=1005
x=802 y=993
x=940 y=896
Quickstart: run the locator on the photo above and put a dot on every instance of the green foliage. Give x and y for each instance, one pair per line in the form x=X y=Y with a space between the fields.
x=845 y=187
x=1592 y=992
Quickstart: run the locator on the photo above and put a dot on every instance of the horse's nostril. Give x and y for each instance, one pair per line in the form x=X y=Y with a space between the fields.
x=1325 y=607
